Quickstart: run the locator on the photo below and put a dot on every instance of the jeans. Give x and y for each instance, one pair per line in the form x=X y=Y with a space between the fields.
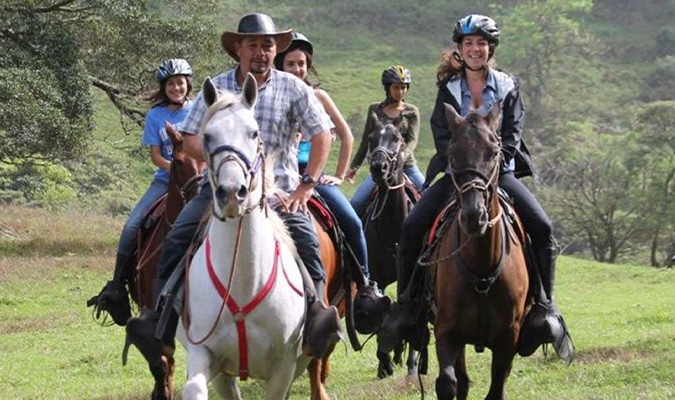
x=127 y=242
x=178 y=239
x=349 y=222
x=364 y=190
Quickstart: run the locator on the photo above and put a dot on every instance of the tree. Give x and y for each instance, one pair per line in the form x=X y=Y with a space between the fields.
x=601 y=195
x=656 y=132
x=55 y=50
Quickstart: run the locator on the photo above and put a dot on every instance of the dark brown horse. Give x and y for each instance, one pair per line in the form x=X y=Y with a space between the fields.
x=479 y=275
x=383 y=217
x=184 y=179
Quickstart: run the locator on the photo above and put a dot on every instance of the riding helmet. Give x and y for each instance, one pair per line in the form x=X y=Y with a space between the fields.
x=476 y=24
x=300 y=41
x=396 y=74
x=172 y=67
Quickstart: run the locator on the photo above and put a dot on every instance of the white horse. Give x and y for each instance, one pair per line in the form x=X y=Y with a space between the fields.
x=244 y=291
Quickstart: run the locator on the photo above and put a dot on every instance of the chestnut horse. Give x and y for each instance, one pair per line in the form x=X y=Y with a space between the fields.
x=383 y=217
x=479 y=274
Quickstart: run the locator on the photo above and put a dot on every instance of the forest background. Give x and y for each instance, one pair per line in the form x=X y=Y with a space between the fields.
x=598 y=79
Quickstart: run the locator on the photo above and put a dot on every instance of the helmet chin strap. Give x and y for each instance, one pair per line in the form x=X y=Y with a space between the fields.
x=482 y=68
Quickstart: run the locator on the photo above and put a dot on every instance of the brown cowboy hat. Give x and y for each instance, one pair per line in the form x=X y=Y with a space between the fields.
x=255 y=25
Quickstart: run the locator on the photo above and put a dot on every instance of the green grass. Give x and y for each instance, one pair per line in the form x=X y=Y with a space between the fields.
x=621 y=318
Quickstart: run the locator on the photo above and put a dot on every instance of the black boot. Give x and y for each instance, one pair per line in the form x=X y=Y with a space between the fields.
x=141 y=331
x=544 y=323
x=401 y=319
x=114 y=297
x=370 y=307
x=322 y=323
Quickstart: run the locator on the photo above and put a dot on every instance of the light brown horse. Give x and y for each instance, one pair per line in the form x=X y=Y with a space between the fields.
x=481 y=282
x=383 y=218
x=334 y=265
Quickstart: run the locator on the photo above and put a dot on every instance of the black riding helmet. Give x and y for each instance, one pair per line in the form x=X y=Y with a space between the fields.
x=476 y=24
x=299 y=41
x=172 y=67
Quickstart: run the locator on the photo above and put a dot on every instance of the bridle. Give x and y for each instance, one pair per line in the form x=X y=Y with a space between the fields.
x=482 y=182
x=250 y=169
x=393 y=160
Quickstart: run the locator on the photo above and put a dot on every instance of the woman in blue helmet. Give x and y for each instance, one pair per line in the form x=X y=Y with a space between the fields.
x=370 y=305
x=170 y=105
x=468 y=80
x=396 y=81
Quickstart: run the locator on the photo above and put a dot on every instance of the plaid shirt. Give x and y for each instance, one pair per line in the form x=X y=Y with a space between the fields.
x=284 y=101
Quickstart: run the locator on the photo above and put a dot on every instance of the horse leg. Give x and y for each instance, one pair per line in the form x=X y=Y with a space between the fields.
x=163 y=375
x=446 y=353
x=279 y=383
x=318 y=391
x=502 y=360
x=226 y=387
x=462 y=376
x=325 y=366
x=198 y=374
x=384 y=367
x=411 y=363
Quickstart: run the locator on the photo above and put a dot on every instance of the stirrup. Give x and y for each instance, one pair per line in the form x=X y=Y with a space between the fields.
x=560 y=338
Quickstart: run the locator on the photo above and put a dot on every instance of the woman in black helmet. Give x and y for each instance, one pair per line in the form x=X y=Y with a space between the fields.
x=170 y=105
x=396 y=81
x=468 y=81
x=370 y=305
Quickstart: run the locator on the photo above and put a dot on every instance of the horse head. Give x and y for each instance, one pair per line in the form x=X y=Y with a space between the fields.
x=474 y=157
x=386 y=147
x=186 y=171
x=233 y=149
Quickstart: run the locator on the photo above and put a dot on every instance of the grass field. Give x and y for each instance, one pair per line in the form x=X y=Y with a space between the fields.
x=621 y=317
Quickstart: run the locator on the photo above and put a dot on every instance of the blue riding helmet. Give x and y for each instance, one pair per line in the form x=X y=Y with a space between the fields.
x=476 y=24
x=172 y=67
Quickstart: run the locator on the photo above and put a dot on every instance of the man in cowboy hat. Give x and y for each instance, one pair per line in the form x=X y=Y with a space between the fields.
x=282 y=101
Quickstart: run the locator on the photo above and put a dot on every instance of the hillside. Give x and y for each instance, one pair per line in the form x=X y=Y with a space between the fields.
x=355 y=40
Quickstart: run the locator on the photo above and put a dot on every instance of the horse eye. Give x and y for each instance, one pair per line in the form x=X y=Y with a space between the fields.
x=255 y=134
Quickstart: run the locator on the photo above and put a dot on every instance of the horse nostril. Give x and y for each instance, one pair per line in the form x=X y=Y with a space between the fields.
x=242 y=193
x=220 y=192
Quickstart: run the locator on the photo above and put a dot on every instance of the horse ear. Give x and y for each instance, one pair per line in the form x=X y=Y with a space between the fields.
x=452 y=117
x=209 y=92
x=493 y=118
x=250 y=90
x=375 y=121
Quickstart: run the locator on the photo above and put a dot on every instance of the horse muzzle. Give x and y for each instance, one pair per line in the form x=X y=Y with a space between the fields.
x=231 y=199
x=474 y=222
